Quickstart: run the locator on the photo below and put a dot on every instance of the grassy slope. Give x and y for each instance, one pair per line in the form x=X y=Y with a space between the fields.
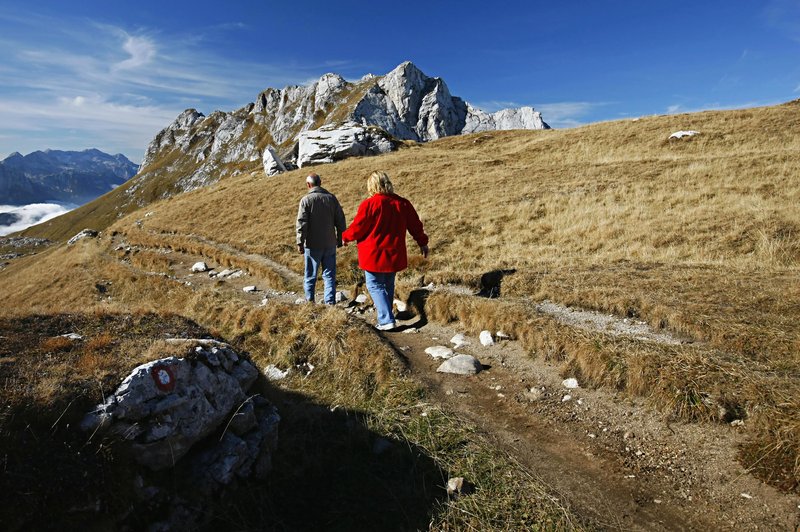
x=699 y=236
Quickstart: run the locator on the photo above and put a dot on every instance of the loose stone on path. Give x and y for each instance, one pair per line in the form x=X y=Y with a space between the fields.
x=439 y=351
x=461 y=365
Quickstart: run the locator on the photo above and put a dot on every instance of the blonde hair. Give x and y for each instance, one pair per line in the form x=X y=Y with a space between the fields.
x=379 y=183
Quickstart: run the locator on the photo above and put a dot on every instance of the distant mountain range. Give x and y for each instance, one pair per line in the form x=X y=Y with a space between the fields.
x=61 y=176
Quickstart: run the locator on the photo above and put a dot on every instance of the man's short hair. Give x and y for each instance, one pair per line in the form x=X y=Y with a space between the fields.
x=314 y=180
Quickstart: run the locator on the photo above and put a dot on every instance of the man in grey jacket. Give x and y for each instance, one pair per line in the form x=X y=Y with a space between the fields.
x=320 y=222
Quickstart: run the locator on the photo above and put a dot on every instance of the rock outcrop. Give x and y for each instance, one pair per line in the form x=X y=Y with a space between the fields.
x=193 y=416
x=86 y=233
x=272 y=162
x=332 y=143
x=327 y=120
x=165 y=407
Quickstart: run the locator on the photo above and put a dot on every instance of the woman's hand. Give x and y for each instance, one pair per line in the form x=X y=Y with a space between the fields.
x=424 y=250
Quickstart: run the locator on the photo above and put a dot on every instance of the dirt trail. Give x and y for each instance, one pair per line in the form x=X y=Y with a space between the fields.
x=614 y=460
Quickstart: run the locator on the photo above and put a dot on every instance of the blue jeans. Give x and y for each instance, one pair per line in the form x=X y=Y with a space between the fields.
x=314 y=258
x=381 y=289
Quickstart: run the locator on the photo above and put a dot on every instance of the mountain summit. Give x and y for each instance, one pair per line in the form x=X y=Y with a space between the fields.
x=327 y=120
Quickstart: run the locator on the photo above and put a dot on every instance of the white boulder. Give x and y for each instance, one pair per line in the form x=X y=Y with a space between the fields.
x=333 y=143
x=681 y=134
x=272 y=162
x=200 y=267
x=461 y=365
x=86 y=233
x=249 y=289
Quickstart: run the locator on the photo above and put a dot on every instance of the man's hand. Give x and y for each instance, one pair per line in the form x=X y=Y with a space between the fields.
x=424 y=250
x=301 y=248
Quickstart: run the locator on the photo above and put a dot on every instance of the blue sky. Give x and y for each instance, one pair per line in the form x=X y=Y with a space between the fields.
x=110 y=74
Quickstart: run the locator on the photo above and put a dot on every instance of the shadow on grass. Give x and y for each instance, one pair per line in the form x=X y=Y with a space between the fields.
x=330 y=472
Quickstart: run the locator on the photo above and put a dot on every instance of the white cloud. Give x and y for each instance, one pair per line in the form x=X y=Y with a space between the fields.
x=32 y=214
x=77 y=84
x=142 y=50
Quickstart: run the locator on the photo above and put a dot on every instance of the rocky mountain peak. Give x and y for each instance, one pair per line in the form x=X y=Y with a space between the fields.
x=404 y=104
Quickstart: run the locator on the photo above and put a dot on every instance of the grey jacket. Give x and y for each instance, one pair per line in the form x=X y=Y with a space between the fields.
x=320 y=220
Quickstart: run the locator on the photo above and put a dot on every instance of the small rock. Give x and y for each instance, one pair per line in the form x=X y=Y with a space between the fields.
x=439 y=351
x=628 y=435
x=459 y=340
x=341 y=297
x=86 y=233
x=361 y=299
x=300 y=301
x=570 y=383
x=533 y=395
x=410 y=331
x=746 y=495
x=657 y=501
x=461 y=365
x=200 y=267
x=274 y=373
x=72 y=336
x=251 y=288
x=500 y=335
x=486 y=338
x=459 y=486
x=681 y=134
x=737 y=423
x=400 y=305
x=566 y=398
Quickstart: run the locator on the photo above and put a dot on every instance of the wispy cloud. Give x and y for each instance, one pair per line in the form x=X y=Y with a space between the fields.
x=114 y=88
x=569 y=114
x=142 y=51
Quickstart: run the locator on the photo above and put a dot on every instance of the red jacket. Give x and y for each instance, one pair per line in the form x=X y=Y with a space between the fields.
x=380 y=229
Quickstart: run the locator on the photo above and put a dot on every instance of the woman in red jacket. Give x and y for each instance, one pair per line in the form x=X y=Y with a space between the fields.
x=380 y=229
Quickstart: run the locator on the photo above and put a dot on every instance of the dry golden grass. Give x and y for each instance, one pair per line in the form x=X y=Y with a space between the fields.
x=699 y=236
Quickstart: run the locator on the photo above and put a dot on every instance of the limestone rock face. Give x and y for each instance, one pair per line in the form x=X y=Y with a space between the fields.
x=331 y=143
x=312 y=124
